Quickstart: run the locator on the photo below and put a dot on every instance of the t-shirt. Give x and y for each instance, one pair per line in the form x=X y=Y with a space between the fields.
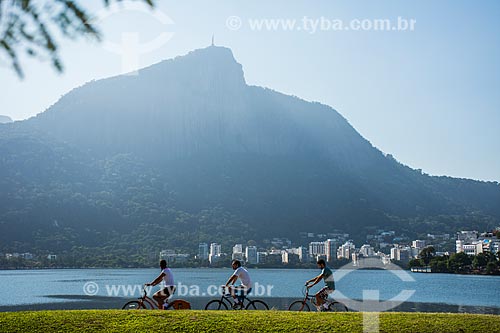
x=243 y=275
x=168 y=278
x=328 y=277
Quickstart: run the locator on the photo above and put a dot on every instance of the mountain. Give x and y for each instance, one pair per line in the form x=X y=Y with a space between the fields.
x=5 y=119
x=187 y=146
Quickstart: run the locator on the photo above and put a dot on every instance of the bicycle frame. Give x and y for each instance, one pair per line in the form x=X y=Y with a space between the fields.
x=229 y=298
x=151 y=302
x=148 y=300
x=226 y=302
x=308 y=297
x=312 y=299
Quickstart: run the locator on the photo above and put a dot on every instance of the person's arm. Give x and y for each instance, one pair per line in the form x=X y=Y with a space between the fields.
x=232 y=280
x=313 y=281
x=157 y=280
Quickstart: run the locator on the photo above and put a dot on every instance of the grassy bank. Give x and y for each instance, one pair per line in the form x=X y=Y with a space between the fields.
x=238 y=321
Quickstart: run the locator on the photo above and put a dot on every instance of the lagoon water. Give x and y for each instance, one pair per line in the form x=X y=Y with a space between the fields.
x=18 y=287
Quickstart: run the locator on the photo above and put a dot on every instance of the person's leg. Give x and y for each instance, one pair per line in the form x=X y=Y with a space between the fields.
x=162 y=295
x=240 y=294
x=326 y=299
x=319 y=300
x=232 y=291
x=168 y=291
x=160 y=298
x=320 y=297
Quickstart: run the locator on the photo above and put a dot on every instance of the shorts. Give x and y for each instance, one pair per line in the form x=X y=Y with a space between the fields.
x=241 y=292
x=324 y=292
x=166 y=292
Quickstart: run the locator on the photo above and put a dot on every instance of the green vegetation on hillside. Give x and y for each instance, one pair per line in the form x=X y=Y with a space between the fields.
x=120 y=212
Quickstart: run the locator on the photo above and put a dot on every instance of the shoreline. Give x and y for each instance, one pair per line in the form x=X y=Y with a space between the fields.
x=250 y=267
x=78 y=302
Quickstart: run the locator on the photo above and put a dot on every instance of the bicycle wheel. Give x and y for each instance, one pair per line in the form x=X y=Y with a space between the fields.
x=257 y=305
x=179 y=304
x=337 y=307
x=216 y=305
x=149 y=304
x=134 y=305
x=299 y=306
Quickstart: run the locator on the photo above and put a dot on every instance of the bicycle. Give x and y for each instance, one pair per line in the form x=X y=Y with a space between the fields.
x=147 y=303
x=226 y=302
x=302 y=305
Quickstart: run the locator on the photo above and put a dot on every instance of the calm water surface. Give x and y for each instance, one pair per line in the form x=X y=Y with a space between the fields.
x=46 y=286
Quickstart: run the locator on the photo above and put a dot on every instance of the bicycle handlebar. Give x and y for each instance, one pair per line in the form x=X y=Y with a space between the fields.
x=305 y=291
x=144 y=290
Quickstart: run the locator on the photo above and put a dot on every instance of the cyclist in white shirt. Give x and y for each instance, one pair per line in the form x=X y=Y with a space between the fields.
x=239 y=292
x=168 y=279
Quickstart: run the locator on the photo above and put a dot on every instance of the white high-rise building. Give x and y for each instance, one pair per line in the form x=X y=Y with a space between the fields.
x=289 y=257
x=316 y=249
x=331 y=249
x=303 y=254
x=215 y=252
x=346 y=250
x=401 y=253
x=215 y=249
x=367 y=251
x=261 y=257
x=473 y=249
x=418 y=244
x=237 y=252
x=467 y=241
x=394 y=253
x=203 y=251
x=237 y=248
x=251 y=255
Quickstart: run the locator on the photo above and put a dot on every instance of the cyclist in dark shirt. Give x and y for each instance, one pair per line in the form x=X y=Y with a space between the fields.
x=326 y=275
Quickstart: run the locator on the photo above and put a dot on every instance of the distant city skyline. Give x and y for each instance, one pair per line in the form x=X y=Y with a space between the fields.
x=429 y=96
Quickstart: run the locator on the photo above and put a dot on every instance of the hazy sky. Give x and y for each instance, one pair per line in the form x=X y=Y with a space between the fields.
x=429 y=96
